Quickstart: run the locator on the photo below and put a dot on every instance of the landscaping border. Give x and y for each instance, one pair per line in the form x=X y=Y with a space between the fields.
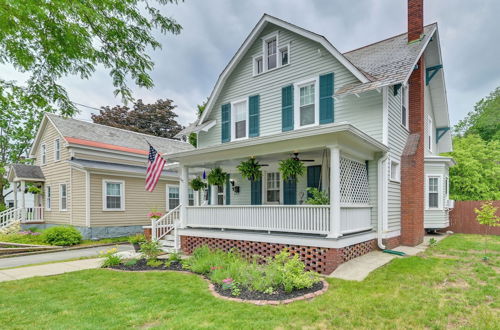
x=211 y=288
x=60 y=250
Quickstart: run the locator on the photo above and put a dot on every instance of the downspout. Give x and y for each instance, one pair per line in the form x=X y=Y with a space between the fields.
x=381 y=200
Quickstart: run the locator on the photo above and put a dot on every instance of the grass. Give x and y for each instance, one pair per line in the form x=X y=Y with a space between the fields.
x=38 y=240
x=438 y=290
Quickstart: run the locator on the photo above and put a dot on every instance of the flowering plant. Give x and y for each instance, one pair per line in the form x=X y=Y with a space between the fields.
x=227 y=283
x=154 y=214
x=29 y=232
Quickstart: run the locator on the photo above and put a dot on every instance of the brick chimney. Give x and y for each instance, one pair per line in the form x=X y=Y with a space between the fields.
x=412 y=160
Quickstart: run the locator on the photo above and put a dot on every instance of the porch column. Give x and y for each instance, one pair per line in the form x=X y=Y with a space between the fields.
x=23 y=201
x=334 y=192
x=183 y=194
x=14 y=190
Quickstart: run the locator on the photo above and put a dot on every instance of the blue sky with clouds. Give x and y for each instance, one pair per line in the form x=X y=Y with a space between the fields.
x=188 y=65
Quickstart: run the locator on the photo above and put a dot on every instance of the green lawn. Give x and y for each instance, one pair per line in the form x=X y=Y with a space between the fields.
x=447 y=287
x=38 y=240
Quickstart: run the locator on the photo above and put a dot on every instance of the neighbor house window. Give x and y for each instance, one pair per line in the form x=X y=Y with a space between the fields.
x=284 y=56
x=173 y=197
x=273 y=187
x=271 y=53
x=433 y=192
x=48 y=198
x=258 y=65
x=57 y=150
x=307 y=111
x=404 y=106
x=429 y=133
x=63 y=197
x=240 y=119
x=113 y=195
x=43 y=154
x=395 y=171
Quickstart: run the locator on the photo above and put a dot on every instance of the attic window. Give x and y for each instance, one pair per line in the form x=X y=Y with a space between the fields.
x=271 y=53
x=258 y=65
x=284 y=60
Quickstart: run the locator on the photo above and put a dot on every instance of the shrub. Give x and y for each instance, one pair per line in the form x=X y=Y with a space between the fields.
x=318 y=197
x=110 y=258
x=130 y=262
x=137 y=239
x=62 y=236
x=151 y=249
x=154 y=263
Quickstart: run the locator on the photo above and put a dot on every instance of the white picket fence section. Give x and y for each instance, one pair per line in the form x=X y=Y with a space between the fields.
x=10 y=215
x=312 y=219
x=165 y=224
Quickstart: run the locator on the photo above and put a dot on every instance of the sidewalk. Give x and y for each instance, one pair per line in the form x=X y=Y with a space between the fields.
x=49 y=269
x=359 y=268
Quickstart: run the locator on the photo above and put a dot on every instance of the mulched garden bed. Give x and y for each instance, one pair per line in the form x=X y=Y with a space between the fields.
x=279 y=294
x=141 y=265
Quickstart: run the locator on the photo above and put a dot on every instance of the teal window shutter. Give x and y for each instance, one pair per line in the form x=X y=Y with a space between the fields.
x=313 y=177
x=209 y=194
x=253 y=115
x=287 y=108
x=290 y=192
x=226 y=122
x=228 y=189
x=325 y=98
x=256 y=192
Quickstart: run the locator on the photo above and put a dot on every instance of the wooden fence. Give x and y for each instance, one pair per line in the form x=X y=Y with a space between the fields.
x=463 y=218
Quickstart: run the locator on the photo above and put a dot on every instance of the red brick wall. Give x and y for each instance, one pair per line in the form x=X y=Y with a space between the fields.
x=463 y=219
x=391 y=243
x=415 y=19
x=321 y=260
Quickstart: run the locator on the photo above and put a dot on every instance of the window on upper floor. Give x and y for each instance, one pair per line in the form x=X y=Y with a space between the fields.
x=258 y=65
x=404 y=106
x=57 y=150
x=43 y=154
x=271 y=53
x=307 y=104
x=240 y=115
x=284 y=51
x=430 y=128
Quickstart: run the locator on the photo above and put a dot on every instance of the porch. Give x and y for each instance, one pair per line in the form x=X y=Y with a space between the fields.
x=340 y=161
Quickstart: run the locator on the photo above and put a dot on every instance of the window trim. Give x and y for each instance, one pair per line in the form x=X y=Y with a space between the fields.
x=296 y=102
x=104 y=195
x=266 y=39
x=43 y=154
x=233 y=119
x=254 y=61
x=398 y=174
x=167 y=199
x=57 y=150
x=405 y=100
x=48 y=198
x=280 y=49
x=61 y=197
x=439 y=192
x=264 y=190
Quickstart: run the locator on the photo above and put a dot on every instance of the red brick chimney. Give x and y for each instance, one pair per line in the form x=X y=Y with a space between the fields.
x=412 y=160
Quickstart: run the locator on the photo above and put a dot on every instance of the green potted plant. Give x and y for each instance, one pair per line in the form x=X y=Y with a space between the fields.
x=250 y=169
x=291 y=168
x=197 y=184
x=216 y=177
x=317 y=197
x=137 y=240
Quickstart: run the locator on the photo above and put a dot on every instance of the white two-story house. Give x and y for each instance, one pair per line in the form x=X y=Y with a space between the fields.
x=353 y=119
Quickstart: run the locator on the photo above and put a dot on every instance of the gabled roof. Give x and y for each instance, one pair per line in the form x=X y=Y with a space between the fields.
x=82 y=133
x=22 y=171
x=387 y=62
x=266 y=19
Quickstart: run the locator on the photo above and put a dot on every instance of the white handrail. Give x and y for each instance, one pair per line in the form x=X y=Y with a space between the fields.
x=165 y=224
x=10 y=215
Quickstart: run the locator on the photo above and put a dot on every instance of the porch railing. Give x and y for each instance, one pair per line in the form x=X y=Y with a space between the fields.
x=354 y=219
x=33 y=214
x=165 y=224
x=312 y=219
x=10 y=215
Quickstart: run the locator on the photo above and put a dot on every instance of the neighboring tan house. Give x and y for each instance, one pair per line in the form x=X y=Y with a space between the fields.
x=369 y=125
x=92 y=177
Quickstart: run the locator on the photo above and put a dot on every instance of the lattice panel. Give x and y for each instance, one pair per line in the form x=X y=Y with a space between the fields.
x=357 y=250
x=353 y=182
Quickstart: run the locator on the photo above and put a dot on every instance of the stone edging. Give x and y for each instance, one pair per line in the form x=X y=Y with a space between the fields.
x=214 y=293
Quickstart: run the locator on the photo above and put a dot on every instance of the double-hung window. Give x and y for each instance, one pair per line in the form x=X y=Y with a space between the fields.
x=48 y=198
x=307 y=104
x=271 y=53
x=433 y=192
x=63 y=197
x=43 y=152
x=258 y=65
x=173 y=197
x=240 y=111
x=57 y=150
x=273 y=188
x=404 y=106
x=113 y=195
x=284 y=60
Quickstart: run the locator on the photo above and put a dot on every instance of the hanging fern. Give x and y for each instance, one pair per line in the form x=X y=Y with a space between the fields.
x=291 y=168
x=250 y=169
x=197 y=184
x=217 y=177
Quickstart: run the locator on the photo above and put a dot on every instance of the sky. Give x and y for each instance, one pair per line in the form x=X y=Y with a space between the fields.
x=188 y=65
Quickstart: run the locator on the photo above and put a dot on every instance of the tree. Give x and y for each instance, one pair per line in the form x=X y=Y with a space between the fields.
x=193 y=138
x=156 y=119
x=476 y=176
x=486 y=216
x=484 y=120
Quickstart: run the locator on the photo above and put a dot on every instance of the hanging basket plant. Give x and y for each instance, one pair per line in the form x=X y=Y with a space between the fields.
x=33 y=190
x=197 y=184
x=250 y=169
x=216 y=177
x=291 y=168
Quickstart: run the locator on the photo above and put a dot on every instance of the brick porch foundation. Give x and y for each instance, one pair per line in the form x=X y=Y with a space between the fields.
x=319 y=259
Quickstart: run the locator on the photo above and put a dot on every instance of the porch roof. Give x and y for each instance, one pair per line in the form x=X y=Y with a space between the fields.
x=23 y=172
x=92 y=165
x=346 y=136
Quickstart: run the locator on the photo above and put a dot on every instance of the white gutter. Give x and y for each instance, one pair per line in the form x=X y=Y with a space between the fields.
x=381 y=200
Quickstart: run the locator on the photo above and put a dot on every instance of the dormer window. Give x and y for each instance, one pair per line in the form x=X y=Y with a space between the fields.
x=43 y=154
x=284 y=56
x=273 y=56
x=271 y=53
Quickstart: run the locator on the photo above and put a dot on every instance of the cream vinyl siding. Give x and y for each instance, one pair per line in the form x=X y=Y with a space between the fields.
x=56 y=173
x=104 y=157
x=307 y=59
x=78 y=210
x=138 y=202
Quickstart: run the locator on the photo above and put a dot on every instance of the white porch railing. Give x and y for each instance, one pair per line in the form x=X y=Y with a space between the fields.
x=33 y=214
x=10 y=215
x=312 y=219
x=26 y=215
x=165 y=224
x=354 y=219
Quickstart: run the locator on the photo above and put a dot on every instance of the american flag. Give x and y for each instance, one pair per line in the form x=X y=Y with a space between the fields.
x=155 y=166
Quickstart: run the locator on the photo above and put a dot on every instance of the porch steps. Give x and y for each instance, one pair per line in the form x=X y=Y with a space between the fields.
x=168 y=243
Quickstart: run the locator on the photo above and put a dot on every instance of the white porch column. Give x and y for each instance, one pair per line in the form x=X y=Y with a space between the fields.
x=214 y=195
x=334 y=192
x=23 y=201
x=14 y=190
x=183 y=194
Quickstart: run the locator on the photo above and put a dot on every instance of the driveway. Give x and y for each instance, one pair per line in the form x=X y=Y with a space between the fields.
x=58 y=256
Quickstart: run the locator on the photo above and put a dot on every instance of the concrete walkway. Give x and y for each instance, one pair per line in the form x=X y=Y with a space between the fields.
x=49 y=269
x=359 y=268
x=58 y=256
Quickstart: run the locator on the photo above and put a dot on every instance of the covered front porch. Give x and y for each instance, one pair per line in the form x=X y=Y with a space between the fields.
x=339 y=160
